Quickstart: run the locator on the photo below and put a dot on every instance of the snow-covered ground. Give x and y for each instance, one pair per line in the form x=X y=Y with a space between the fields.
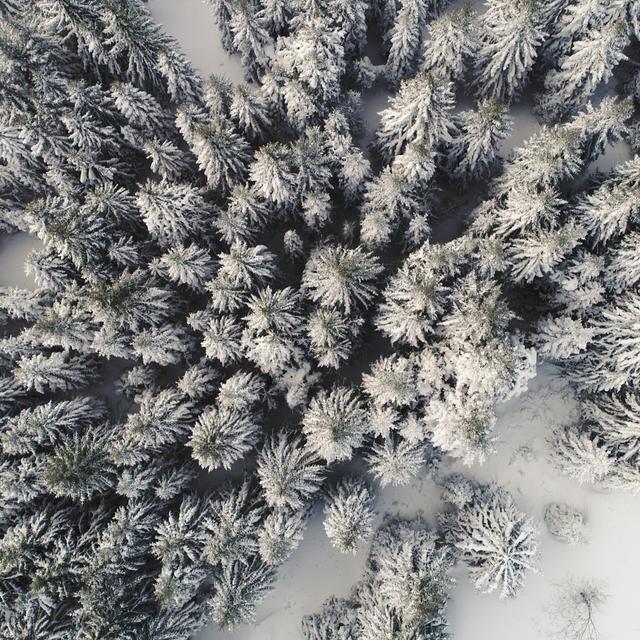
x=521 y=464
x=13 y=251
x=191 y=23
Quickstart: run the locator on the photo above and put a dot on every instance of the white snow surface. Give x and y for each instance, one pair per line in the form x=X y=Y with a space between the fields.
x=191 y=23
x=521 y=464
x=13 y=251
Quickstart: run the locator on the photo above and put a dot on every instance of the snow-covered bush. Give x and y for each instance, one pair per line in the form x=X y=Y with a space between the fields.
x=565 y=523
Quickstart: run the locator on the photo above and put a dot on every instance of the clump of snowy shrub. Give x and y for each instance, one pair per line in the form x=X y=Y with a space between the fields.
x=565 y=523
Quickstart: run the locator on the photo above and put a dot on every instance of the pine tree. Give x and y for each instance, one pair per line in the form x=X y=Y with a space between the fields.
x=246 y=266
x=391 y=382
x=389 y=198
x=142 y=110
x=162 y=419
x=174 y=213
x=609 y=210
x=573 y=22
x=602 y=126
x=473 y=151
x=335 y=423
x=222 y=12
x=339 y=277
x=222 y=154
x=130 y=31
x=289 y=473
x=418 y=113
x=591 y=61
x=275 y=15
x=183 y=84
x=250 y=112
x=403 y=590
x=348 y=514
x=189 y=265
x=167 y=160
x=537 y=253
x=164 y=345
x=331 y=336
x=222 y=436
x=273 y=325
x=511 y=34
x=351 y=19
x=494 y=539
x=250 y=37
x=222 y=339
x=50 y=423
x=582 y=458
x=78 y=468
x=405 y=42
x=229 y=529
x=314 y=55
x=562 y=337
x=57 y=371
x=395 y=461
x=238 y=590
x=413 y=298
x=452 y=40
x=272 y=173
x=281 y=535
x=199 y=380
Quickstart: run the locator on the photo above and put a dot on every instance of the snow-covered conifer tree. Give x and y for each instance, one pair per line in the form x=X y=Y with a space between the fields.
x=237 y=592
x=222 y=436
x=348 y=514
x=250 y=112
x=403 y=590
x=222 y=154
x=473 y=151
x=56 y=371
x=222 y=12
x=391 y=382
x=189 y=265
x=273 y=174
x=173 y=212
x=450 y=43
x=590 y=62
x=336 y=276
x=511 y=34
x=419 y=112
x=494 y=539
x=405 y=39
x=335 y=423
x=314 y=55
x=396 y=461
x=280 y=535
x=250 y=36
x=390 y=198
x=331 y=336
x=288 y=472
x=229 y=529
